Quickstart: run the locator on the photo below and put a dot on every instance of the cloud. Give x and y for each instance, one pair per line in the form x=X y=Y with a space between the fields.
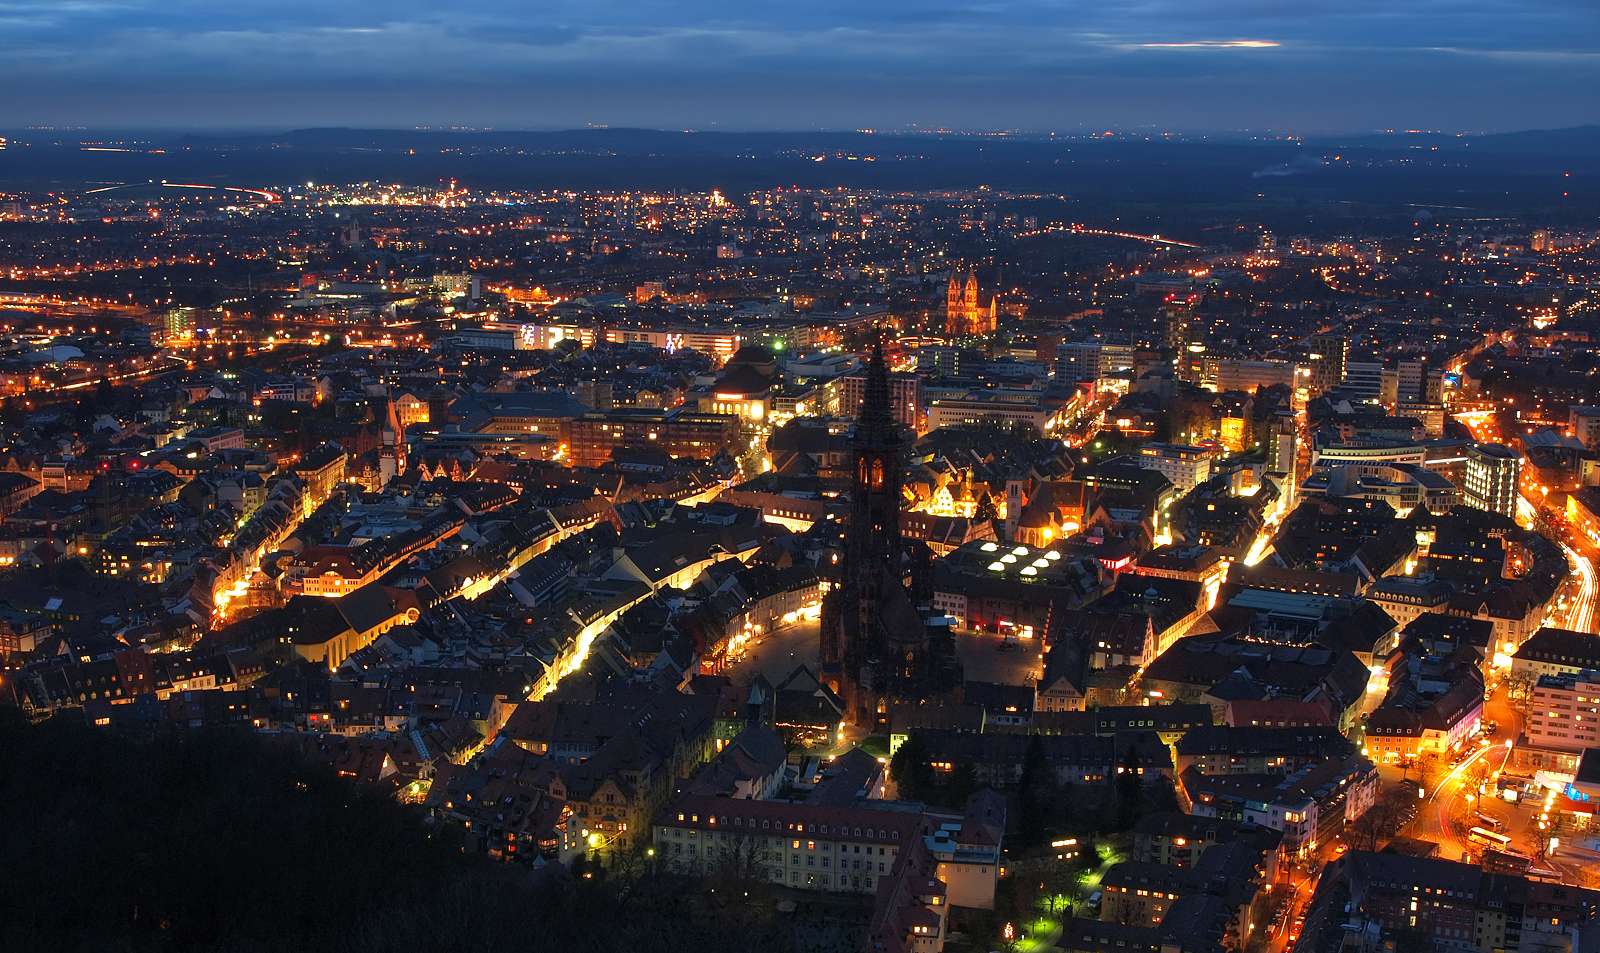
x=1316 y=65
x=1214 y=45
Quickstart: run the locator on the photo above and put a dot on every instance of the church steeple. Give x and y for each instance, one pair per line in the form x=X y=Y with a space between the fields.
x=964 y=314
x=872 y=537
x=874 y=640
x=953 y=292
x=875 y=423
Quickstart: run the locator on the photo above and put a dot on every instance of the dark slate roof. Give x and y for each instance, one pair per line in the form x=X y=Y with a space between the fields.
x=1251 y=740
x=1562 y=647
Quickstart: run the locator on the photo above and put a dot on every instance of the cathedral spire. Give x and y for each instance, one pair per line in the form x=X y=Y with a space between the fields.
x=875 y=644
x=875 y=423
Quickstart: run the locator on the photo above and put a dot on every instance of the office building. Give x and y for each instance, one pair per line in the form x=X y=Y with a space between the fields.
x=1223 y=374
x=1186 y=466
x=1363 y=379
x=1327 y=356
x=1493 y=475
x=1077 y=362
x=595 y=437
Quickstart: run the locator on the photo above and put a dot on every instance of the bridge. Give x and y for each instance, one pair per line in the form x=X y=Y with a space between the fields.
x=1086 y=230
x=265 y=196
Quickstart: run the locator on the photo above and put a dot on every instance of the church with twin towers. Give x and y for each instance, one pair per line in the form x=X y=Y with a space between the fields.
x=966 y=312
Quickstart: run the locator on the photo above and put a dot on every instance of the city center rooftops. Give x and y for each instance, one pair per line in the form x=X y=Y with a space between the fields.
x=1302 y=605
x=1578 y=650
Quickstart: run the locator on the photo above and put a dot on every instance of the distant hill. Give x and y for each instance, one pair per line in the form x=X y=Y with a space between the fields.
x=1576 y=141
x=1520 y=171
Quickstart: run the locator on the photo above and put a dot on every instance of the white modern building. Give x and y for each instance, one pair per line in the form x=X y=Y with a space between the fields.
x=1184 y=466
x=1494 y=473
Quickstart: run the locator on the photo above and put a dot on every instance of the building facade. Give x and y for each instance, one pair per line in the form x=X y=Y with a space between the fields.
x=1493 y=478
x=1186 y=466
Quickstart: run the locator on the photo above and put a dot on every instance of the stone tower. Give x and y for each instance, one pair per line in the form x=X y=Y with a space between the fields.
x=876 y=643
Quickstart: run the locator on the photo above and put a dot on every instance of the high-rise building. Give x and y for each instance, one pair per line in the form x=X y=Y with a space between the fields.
x=1389 y=392
x=1281 y=445
x=1175 y=315
x=1362 y=379
x=1419 y=382
x=1493 y=475
x=1077 y=362
x=179 y=322
x=1327 y=361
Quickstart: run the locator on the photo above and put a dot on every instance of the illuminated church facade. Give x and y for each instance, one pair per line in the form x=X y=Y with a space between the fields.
x=963 y=315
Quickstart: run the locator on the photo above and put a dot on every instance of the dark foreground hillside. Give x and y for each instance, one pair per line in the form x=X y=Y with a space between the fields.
x=213 y=841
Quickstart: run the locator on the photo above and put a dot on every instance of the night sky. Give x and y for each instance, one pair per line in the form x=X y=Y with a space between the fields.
x=1300 y=66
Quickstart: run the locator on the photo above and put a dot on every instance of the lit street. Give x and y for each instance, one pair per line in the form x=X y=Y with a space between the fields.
x=1433 y=821
x=1581 y=614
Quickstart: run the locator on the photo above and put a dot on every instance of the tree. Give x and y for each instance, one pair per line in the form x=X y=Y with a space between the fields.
x=1189 y=417
x=1430 y=771
x=1023 y=431
x=1065 y=813
x=1035 y=767
x=793 y=738
x=740 y=862
x=1519 y=689
x=1395 y=806
x=1412 y=940
x=912 y=770
x=1130 y=790
x=1372 y=825
x=1163 y=797
x=962 y=784
x=1036 y=794
x=1462 y=809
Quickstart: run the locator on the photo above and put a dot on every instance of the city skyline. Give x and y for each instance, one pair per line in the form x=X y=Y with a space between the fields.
x=1039 y=477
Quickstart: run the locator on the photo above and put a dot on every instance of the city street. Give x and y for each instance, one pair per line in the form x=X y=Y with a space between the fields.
x=1433 y=817
x=1581 y=613
x=1303 y=885
x=1518 y=821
